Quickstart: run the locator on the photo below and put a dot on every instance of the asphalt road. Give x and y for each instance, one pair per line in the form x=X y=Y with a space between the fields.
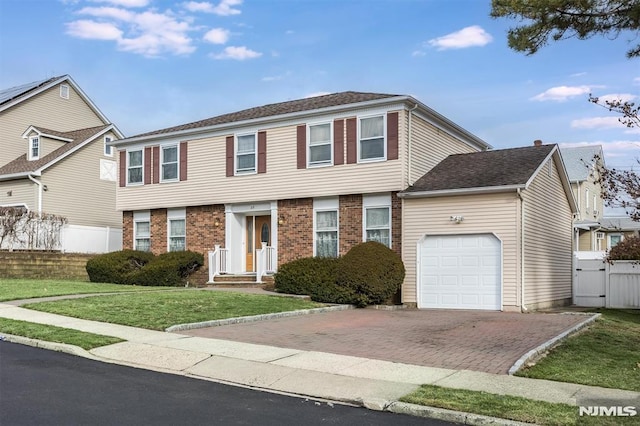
x=42 y=387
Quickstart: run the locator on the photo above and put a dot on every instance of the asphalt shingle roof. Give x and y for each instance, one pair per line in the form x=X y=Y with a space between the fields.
x=619 y=223
x=23 y=165
x=11 y=93
x=503 y=167
x=577 y=160
x=307 y=104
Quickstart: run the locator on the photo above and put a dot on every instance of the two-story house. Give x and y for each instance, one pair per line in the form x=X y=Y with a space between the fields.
x=55 y=158
x=312 y=177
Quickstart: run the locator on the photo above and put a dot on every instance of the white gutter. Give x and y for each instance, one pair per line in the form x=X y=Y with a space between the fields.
x=37 y=182
x=409 y=183
x=523 y=307
x=460 y=191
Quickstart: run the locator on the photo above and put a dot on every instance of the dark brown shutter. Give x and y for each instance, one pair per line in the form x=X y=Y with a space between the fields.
x=230 y=155
x=262 y=152
x=147 y=165
x=156 y=164
x=392 y=136
x=302 y=146
x=338 y=142
x=352 y=142
x=183 y=161
x=123 y=168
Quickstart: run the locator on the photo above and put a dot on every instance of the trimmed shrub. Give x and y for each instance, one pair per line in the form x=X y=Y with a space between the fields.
x=168 y=269
x=627 y=249
x=372 y=271
x=312 y=276
x=117 y=266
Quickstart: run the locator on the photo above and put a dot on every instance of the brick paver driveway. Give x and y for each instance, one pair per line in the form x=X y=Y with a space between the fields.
x=470 y=340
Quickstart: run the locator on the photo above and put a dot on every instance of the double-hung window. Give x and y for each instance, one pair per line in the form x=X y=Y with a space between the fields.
x=377 y=218
x=177 y=229
x=246 y=154
x=142 y=231
x=134 y=167
x=325 y=227
x=320 y=145
x=371 y=146
x=169 y=163
x=34 y=148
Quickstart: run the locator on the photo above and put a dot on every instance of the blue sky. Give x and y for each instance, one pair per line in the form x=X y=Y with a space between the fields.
x=150 y=64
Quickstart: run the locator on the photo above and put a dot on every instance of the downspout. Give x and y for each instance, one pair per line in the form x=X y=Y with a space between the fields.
x=37 y=182
x=523 y=307
x=409 y=146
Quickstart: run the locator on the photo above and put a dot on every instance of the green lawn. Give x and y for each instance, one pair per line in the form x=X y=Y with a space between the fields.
x=17 y=289
x=607 y=354
x=159 y=310
x=508 y=407
x=52 y=333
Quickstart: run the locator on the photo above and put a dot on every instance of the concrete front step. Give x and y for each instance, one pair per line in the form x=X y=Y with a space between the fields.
x=239 y=284
x=234 y=278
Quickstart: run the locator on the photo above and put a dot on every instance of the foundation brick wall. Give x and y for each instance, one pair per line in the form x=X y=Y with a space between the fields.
x=295 y=235
x=350 y=222
x=127 y=230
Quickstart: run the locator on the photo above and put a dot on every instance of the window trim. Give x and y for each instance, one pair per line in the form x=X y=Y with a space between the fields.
x=141 y=217
x=162 y=162
x=326 y=205
x=614 y=234
x=106 y=140
x=586 y=200
x=237 y=172
x=383 y=116
x=377 y=202
x=176 y=214
x=329 y=143
x=37 y=140
x=141 y=167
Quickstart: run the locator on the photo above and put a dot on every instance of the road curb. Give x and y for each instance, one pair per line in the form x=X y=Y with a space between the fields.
x=254 y=318
x=536 y=352
x=448 y=415
x=52 y=346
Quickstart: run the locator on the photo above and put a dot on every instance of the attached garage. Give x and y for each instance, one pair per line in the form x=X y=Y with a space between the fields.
x=460 y=272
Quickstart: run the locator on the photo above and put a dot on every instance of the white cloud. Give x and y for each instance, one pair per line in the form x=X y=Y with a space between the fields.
x=277 y=77
x=125 y=3
x=561 y=93
x=224 y=8
x=623 y=97
x=578 y=74
x=597 y=123
x=217 y=36
x=108 y=12
x=93 y=30
x=467 y=37
x=418 y=53
x=239 y=53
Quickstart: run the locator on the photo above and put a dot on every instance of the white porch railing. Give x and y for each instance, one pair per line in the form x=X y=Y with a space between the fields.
x=218 y=262
x=266 y=259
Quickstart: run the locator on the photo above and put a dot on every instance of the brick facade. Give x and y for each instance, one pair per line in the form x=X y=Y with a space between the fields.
x=349 y=222
x=158 y=231
x=295 y=235
x=396 y=223
x=127 y=230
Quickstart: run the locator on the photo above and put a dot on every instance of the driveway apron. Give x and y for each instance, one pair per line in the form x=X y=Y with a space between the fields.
x=470 y=340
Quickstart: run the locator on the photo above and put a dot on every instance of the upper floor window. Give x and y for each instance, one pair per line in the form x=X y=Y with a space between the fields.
x=169 y=163
x=64 y=91
x=586 y=200
x=34 y=148
x=134 y=167
x=320 y=145
x=371 y=145
x=246 y=154
x=108 y=150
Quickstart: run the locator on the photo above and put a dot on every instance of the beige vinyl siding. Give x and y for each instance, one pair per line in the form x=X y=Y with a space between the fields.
x=547 y=239
x=76 y=191
x=430 y=145
x=207 y=182
x=23 y=191
x=48 y=145
x=47 y=110
x=584 y=241
x=488 y=213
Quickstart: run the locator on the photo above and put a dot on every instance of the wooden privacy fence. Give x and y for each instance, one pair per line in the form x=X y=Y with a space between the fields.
x=597 y=283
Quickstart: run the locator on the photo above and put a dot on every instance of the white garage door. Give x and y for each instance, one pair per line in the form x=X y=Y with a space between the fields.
x=460 y=272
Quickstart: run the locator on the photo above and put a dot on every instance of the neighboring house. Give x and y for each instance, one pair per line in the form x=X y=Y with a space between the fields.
x=311 y=177
x=580 y=163
x=490 y=230
x=54 y=158
x=615 y=229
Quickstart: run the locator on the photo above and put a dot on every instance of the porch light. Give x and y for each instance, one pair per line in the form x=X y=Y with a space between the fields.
x=216 y=223
x=456 y=219
x=281 y=220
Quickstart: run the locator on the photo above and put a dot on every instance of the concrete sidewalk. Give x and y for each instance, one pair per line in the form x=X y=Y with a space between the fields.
x=374 y=384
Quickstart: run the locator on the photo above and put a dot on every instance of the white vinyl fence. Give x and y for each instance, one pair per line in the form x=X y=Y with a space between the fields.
x=90 y=239
x=597 y=283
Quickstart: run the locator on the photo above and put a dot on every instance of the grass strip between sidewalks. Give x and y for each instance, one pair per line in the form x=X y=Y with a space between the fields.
x=159 y=310
x=508 y=407
x=50 y=333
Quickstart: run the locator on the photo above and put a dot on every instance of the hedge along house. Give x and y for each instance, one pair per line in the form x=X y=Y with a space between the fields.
x=490 y=230
x=307 y=177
